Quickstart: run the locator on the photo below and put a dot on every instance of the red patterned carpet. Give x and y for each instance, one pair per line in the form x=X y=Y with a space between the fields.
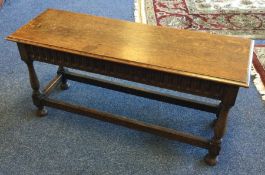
x=244 y=18
x=259 y=64
x=238 y=17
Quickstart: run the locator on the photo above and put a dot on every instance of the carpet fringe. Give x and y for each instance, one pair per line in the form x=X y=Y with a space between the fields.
x=137 y=11
x=258 y=83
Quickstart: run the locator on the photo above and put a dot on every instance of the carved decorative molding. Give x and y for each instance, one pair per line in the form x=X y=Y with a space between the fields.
x=127 y=72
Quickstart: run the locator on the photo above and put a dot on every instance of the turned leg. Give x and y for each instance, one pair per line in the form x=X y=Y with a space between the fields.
x=217 y=116
x=219 y=131
x=65 y=84
x=228 y=100
x=215 y=120
x=36 y=95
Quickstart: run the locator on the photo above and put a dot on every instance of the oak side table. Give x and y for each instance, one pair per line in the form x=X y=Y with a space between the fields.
x=196 y=63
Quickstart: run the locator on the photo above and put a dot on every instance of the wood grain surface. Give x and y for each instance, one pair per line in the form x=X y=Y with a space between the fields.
x=202 y=55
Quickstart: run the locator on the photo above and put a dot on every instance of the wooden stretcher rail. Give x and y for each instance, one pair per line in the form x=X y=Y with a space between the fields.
x=181 y=101
x=129 y=123
x=52 y=84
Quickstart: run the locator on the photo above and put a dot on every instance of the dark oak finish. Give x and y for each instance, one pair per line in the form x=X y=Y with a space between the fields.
x=191 y=62
x=188 y=53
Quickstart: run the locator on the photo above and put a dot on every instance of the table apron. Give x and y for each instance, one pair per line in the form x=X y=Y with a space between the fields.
x=151 y=77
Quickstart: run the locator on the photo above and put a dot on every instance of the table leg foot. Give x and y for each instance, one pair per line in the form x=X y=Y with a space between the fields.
x=65 y=86
x=41 y=112
x=210 y=159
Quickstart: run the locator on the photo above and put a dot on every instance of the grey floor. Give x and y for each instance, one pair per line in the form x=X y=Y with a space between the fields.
x=65 y=143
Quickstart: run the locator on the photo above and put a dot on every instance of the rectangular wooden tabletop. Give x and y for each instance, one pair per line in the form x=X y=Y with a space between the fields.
x=194 y=54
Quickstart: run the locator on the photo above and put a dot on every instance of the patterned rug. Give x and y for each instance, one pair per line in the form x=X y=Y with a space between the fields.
x=230 y=17
x=244 y=18
x=259 y=72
